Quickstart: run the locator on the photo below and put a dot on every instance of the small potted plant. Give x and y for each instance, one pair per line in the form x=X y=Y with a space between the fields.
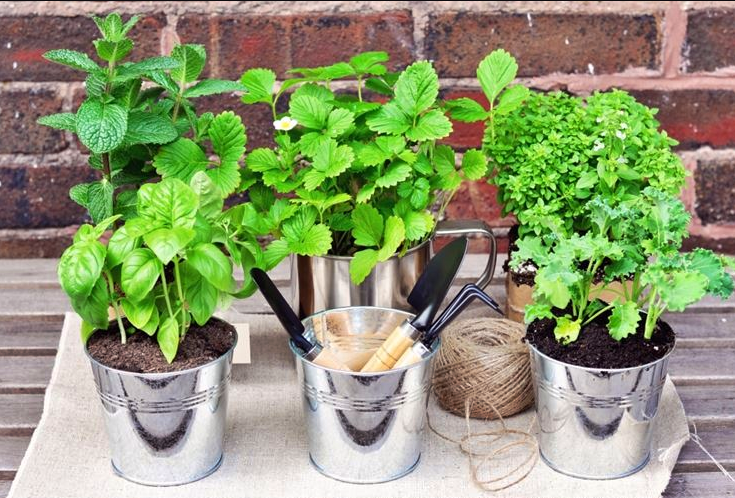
x=552 y=152
x=361 y=184
x=147 y=292
x=599 y=368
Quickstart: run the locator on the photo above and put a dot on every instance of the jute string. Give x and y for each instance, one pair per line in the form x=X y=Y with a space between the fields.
x=483 y=371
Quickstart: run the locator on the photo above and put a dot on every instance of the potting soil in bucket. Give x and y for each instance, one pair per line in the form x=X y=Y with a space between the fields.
x=363 y=427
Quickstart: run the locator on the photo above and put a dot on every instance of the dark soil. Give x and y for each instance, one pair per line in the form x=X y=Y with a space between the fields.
x=521 y=277
x=141 y=353
x=596 y=349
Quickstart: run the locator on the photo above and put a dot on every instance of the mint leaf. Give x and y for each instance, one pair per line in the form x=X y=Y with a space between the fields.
x=101 y=127
x=60 y=121
x=191 y=59
x=368 y=225
x=362 y=264
x=110 y=51
x=213 y=86
x=99 y=200
x=495 y=72
x=431 y=126
x=393 y=237
x=72 y=58
x=259 y=85
x=147 y=128
x=417 y=88
x=145 y=67
x=474 y=164
x=623 y=320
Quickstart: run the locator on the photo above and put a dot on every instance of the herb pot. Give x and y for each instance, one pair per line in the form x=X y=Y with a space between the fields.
x=363 y=427
x=165 y=429
x=323 y=282
x=596 y=423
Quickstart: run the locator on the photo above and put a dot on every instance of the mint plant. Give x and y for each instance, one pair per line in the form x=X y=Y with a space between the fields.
x=121 y=121
x=639 y=238
x=162 y=269
x=349 y=176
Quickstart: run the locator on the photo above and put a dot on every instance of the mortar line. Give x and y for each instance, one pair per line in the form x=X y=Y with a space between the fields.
x=674 y=36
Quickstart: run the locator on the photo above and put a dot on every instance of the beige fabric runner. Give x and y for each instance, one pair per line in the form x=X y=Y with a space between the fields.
x=266 y=453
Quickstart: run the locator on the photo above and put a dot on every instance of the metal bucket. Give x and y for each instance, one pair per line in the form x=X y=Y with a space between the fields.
x=596 y=423
x=363 y=428
x=165 y=429
x=321 y=283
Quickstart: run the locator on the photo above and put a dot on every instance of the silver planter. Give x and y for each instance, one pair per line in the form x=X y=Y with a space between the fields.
x=363 y=428
x=596 y=423
x=165 y=429
x=320 y=283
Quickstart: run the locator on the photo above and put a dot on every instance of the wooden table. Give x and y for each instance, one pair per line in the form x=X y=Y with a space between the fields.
x=703 y=368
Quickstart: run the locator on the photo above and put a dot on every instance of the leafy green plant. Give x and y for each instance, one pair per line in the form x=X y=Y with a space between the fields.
x=162 y=269
x=639 y=238
x=353 y=177
x=122 y=122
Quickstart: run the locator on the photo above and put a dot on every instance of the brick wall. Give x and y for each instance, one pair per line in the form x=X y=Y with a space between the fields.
x=677 y=56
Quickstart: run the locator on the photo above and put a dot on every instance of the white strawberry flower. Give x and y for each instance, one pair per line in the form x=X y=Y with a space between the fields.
x=620 y=135
x=285 y=123
x=598 y=146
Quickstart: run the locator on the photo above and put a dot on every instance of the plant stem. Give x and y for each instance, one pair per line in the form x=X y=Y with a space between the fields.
x=177 y=276
x=595 y=315
x=359 y=88
x=165 y=293
x=118 y=317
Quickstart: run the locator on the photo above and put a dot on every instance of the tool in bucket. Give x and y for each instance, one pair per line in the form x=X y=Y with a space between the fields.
x=430 y=290
x=312 y=352
x=423 y=347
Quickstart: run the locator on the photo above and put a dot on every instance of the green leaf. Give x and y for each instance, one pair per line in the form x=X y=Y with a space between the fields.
x=393 y=237
x=366 y=62
x=466 y=110
x=168 y=242
x=199 y=294
x=226 y=176
x=80 y=267
x=368 y=225
x=330 y=160
x=191 y=59
x=139 y=313
x=140 y=272
x=210 y=196
x=87 y=329
x=362 y=264
x=511 y=99
x=152 y=325
x=683 y=288
x=93 y=308
x=304 y=236
x=474 y=164
x=395 y=174
x=417 y=88
x=339 y=121
x=126 y=204
x=101 y=127
x=170 y=202
x=146 y=67
x=430 y=126
x=365 y=193
x=168 y=338
x=710 y=265
x=72 y=58
x=588 y=180
x=495 y=72
x=227 y=134
x=263 y=159
x=147 y=128
x=389 y=119
x=99 y=200
x=276 y=252
x=120 y=245
x=60 y=121
x=554 y=281
x=110 y=51
x=566 y=330
x=259 y=84
x=213 y=265
x=418 y=224
x=213 y=86
x=536 y=311
x=623 y=320
x=309 y=111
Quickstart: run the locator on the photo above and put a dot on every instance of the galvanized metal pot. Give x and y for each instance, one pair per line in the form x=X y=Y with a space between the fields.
x=363 y=428
x=320 y=283
x=165 y=429
x=596 y=423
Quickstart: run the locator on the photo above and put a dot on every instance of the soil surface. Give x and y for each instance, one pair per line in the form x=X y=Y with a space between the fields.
x=596 y=349
x=141 y=353
x=527 y=272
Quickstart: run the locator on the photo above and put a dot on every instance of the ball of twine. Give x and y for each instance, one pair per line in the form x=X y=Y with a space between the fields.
x=483 y=364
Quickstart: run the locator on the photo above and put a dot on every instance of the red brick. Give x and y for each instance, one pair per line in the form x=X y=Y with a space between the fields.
x=44 y=243
x=24 y=40
x=19 y=110
x=544 y=43
x=466 y=135
x=694 y=117
x=710 y=40
x=198 y=29
x=38 y=197
x=724 y=245
x=248 y=42
x=318 y=40
x=714 y=182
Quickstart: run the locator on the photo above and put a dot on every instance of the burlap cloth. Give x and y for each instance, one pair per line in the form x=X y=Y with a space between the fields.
x=266 y=452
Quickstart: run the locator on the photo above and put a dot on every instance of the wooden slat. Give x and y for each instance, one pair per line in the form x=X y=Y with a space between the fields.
x=718 y=438
x=703 y=366
x=30 y=335
x=12 y=449
x=5 y=488
x=19 y=413
x=700 y=485
x=697 y=329
x=25 y=374
x=708 y=402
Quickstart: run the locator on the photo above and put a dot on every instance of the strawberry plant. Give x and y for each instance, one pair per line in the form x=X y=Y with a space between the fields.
x=124 y=122
x=350 y=176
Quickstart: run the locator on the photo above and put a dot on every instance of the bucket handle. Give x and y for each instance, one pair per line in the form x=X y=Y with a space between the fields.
x=456 y=228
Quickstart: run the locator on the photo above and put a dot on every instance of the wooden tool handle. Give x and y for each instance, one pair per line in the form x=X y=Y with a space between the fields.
x=412 y=355
x=401 y=339
x=327 y=359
